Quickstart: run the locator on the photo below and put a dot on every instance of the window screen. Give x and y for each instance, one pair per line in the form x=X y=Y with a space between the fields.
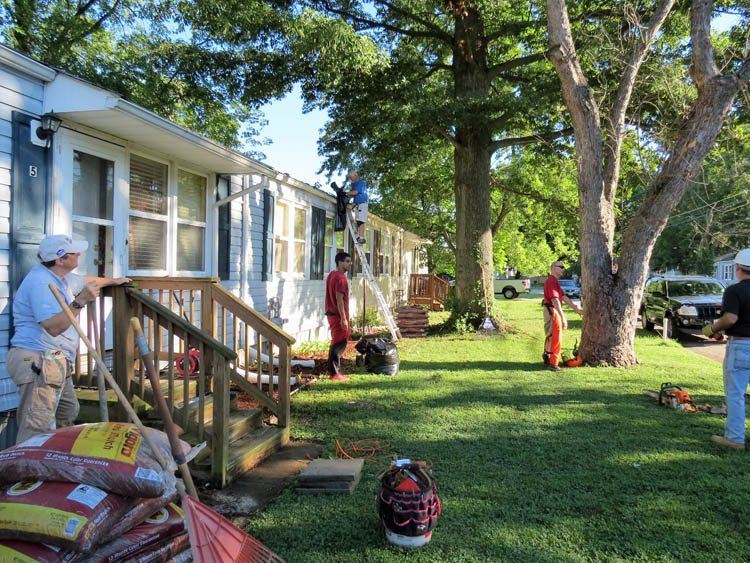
x=148 y=185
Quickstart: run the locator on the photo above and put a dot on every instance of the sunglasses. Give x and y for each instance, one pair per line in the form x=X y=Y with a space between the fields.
x=560 y=266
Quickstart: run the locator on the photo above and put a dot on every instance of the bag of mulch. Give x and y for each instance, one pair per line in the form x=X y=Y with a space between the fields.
x=158 y=528
x=164 y=552
x=67 y=515
x=144 y=508
x=27 y=552
x=381 y=356
x=110 y=455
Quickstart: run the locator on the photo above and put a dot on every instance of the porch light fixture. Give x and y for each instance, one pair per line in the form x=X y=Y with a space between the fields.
x=49 y=124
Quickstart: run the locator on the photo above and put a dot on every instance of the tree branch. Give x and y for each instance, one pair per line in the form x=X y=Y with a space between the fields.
x=494 y=71
x=437 y=33
x=519 y=141
x=556 y=203
x=504 y=210
x=615 y=126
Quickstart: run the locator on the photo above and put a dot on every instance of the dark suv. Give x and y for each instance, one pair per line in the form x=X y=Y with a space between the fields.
x=689 y=302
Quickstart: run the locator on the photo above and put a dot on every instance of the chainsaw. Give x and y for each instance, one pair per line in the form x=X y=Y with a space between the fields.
x=576 y=360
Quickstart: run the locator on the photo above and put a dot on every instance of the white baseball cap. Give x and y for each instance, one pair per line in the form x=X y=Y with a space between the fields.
x=57 y=246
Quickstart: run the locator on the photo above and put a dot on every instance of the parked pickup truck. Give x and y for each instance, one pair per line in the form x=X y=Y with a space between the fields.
x=511 y=288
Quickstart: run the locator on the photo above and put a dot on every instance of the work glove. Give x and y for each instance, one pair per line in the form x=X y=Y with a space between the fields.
x=708 y=331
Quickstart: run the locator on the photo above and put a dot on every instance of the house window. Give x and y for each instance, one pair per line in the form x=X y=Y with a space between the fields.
x=329 y=261
x=290 y=224
x=191 y=221
x=300 y=224
x=728 y=271
x=281 y=240
x=368 y=251
x=386 y=268
x=147 y=225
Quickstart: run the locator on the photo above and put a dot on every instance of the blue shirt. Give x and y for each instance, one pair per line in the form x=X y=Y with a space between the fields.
x=34 y=303
x=361 y=188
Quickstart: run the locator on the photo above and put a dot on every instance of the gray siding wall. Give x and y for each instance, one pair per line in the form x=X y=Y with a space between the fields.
x=17 y=93
x=302 y=301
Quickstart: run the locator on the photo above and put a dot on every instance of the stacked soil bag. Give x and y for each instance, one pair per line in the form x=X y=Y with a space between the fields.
x=411 y=321
x=94 y=493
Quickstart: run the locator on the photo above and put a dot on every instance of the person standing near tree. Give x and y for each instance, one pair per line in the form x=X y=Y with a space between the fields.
x=45 y=344
x=554 y=318
x=337 y=311
x=359 y=193
x=735 y=322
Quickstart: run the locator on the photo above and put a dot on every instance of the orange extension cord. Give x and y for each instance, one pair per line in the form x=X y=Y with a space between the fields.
x=369 y=449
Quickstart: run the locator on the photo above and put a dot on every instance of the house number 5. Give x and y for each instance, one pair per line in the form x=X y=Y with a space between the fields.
x=32 y=171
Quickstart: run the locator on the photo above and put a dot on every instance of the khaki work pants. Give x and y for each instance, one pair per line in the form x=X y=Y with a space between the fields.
x=47 y=399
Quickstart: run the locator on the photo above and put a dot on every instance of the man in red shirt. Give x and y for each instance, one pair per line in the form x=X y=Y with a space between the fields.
x=554 y=319
x=337 y=311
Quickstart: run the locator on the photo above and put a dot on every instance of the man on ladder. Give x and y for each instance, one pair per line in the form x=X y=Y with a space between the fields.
x=359 y=195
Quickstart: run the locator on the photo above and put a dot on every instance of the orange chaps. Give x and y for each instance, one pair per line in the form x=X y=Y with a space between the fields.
x=552 y=334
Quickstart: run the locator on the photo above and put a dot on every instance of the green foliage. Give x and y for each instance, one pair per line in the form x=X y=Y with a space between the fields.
x=311 y=347
x=713 y=217
x=498 y=429
x=370 y=317
x=185 y=61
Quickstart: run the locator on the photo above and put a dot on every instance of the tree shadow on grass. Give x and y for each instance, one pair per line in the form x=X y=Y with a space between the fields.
x=624 y=479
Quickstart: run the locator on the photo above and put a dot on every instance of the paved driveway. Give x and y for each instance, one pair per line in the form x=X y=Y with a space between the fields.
x=708 y=348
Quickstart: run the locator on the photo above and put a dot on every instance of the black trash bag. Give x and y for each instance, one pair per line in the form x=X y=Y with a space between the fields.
x=342 y=202
x=381 y=356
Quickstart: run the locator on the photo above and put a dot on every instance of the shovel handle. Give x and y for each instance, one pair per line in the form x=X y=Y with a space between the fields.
x=174 y=442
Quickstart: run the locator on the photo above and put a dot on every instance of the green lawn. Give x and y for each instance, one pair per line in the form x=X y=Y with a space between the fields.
x=531 y=465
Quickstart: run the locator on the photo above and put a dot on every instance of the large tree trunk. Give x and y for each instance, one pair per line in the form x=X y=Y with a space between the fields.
x=474 y=262
x=474 y=256
x=612 y=300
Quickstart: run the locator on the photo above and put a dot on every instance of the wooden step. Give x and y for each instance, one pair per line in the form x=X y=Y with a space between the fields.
x=247 y=452
x=89 y=402
x=241 y=423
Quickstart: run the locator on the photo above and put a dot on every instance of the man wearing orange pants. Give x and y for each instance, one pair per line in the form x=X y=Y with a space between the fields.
x=554 y=319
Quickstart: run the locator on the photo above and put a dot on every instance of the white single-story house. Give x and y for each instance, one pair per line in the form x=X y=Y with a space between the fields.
x=156 y=199
x=724 y=269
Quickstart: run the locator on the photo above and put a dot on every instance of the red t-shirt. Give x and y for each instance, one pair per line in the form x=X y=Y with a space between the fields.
x=336 y=283
x=552 y=289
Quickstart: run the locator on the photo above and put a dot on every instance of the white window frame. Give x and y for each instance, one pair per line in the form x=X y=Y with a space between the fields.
x=728 y=273
x=292 y=206
x=207 y=262
x=330 y=246
x=385 y=243
x=167 y=218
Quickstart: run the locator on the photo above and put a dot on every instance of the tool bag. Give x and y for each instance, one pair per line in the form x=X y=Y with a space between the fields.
x=408 y=503
x=381 y=356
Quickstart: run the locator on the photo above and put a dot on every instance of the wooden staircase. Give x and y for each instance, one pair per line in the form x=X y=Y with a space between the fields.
x=204 y=406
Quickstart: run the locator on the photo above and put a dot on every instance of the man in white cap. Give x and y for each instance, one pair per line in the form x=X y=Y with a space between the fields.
x=735 y=321
x=44 y=344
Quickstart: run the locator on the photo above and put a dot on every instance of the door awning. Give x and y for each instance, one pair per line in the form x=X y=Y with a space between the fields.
x=81 y=102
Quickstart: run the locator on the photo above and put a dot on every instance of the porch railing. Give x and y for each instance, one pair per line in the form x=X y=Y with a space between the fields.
x=428 y=289
x=230 y=344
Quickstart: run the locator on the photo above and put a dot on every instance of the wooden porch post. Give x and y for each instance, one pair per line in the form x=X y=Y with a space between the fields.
x=220 y=444
x=123 y=356
x=285 y=372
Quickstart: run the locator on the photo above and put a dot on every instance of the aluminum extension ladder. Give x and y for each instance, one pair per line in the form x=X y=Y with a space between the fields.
x=373 y=284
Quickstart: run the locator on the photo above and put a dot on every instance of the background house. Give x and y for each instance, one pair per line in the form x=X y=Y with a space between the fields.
x=155 y=199
x=724 y=269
